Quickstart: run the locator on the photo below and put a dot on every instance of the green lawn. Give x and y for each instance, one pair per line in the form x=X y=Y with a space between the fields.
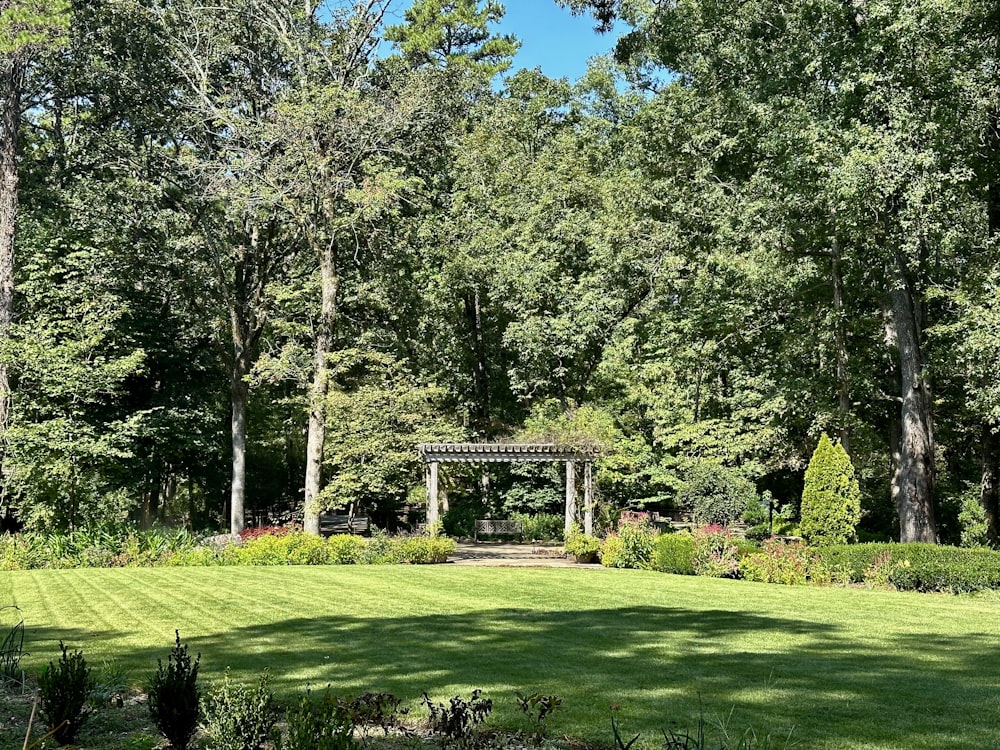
x=836 y=668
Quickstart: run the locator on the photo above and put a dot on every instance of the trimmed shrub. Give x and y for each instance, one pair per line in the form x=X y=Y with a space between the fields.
x=716 y=553
x=916 y=567
x=716 y=494
x=674 y=553
x=831 y=498
x=424 y=550
x=345 y=549
x=65 y=689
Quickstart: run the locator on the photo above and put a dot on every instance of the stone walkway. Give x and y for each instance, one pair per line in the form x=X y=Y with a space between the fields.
x=512 y=556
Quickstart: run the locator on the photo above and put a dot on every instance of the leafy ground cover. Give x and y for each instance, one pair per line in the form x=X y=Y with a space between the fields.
x=835 y=668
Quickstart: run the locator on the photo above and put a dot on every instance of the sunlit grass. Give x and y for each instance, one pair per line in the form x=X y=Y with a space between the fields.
x=836 y=668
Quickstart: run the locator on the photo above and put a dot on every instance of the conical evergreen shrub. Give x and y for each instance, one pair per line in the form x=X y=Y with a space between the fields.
x=831 y=498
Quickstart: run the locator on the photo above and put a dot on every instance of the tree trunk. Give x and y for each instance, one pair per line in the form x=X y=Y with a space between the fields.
x=320 y=388
x=989 y=487
x=480 y=373
x=840 y=342
x=239 y=395
x=10 y=120
x=912 y=484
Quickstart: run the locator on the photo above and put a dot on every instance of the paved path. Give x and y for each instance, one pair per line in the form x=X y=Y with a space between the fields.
x=512 y=555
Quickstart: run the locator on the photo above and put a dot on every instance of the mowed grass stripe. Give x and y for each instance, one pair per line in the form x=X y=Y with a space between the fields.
x=837 y=668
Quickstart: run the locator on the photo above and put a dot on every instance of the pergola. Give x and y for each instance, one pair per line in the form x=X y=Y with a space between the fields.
x=435 y=454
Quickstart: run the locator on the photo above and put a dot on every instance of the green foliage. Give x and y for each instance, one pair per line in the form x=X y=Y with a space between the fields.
x=716 y=494
x=375 y=420
x=917 y=567
x=831 y=498
x=424 y=550
x=456 y=723
x=538 y=708
x=345 y=549
x=581 y=546
x=65 y=688
x=632 y=545
x=454 y=32
x=674 y=553
x=716 y=553
x=972 y=520
x=239 y=717
x=175 y=697
x=460 y=520
x=28 y=24
x=316 y=723
x=788 y=563
x=540 y=527
x=296 y=548
x=11 y=646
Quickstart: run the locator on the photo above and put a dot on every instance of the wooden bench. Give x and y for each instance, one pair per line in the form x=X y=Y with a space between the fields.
x=497 y=527
x=334 y=523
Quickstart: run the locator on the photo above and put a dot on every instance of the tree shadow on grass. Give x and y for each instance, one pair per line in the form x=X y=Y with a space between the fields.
x=664 y=666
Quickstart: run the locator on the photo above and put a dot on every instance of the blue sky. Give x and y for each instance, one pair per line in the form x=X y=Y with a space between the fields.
x=552 y=38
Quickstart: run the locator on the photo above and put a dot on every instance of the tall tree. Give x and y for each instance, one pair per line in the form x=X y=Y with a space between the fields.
x=866 y=92
x=26 y=27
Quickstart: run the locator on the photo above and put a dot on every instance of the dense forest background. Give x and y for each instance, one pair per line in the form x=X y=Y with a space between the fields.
x=252 y=252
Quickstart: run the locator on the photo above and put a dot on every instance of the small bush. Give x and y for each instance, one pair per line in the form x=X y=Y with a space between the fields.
x=456 y=723
x=65 y=689
x=538 y=708
x=716 y=553
x=788 y=563
x=674 y=553
x=612 y=551
x=174 y=696
x=583 y=547
x=424 y=550
x=239 y=717
x=345 y=549
x=316 y=723
x=831 y=497
x=369 y=710
x=632 y=545
x=972 y=520
x=380 y=550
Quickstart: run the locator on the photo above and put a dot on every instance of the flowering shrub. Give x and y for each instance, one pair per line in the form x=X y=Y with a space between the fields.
x=258 y=531
x=789 y=563
x=632 y=545
x=879 y=572
x=715 y=552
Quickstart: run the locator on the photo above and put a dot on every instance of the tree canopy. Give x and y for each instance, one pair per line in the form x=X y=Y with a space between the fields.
x=256 y=251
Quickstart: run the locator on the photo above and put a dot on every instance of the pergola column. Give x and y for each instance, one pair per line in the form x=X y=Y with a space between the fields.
x=570 y=494
x=432 y=492
x=588 y=497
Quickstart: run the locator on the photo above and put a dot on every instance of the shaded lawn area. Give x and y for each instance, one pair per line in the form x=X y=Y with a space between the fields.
x=837 y=668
